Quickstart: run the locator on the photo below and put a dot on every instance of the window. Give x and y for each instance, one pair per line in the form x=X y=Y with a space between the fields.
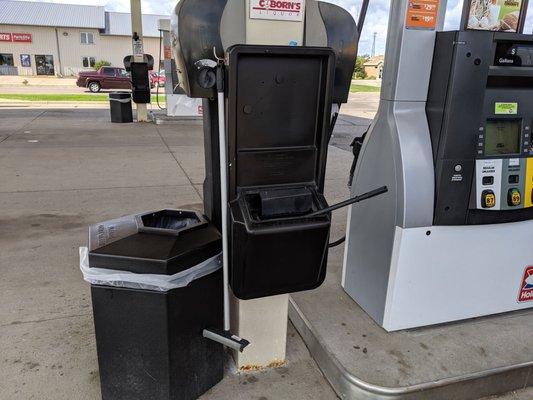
x=88 y=62
x=87 y=38
x=25 y=60
x=6 y=59
x=123 y=72
x=109 y=71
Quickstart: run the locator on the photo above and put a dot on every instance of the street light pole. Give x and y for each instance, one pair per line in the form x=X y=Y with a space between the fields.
x=138 y=49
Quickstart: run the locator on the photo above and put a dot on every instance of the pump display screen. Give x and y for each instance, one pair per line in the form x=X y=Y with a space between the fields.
x=502 y=137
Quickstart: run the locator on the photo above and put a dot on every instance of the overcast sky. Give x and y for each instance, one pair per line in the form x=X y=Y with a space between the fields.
x=377 y=17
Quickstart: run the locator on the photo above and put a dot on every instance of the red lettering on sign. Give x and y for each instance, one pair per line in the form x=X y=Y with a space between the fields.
x=5 y=37
x=274 y=5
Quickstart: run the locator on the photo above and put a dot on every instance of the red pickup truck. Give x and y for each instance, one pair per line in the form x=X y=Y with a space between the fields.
x=104 y=78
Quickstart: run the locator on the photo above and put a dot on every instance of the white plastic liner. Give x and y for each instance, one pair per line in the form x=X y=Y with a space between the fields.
x=155 y=282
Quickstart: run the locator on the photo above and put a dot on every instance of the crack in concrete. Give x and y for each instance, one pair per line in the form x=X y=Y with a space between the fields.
x=178 y=163
x=23 y=126
x=16 y=323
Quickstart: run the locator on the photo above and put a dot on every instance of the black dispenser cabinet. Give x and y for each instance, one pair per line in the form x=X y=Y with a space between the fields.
x=278 y=128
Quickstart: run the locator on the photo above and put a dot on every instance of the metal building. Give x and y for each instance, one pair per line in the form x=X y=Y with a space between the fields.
x=64 y=39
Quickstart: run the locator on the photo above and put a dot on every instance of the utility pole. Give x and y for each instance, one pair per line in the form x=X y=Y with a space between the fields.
x=374 y=45
x=138 y=49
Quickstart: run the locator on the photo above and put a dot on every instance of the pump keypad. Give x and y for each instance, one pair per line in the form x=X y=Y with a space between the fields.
x=504 y=183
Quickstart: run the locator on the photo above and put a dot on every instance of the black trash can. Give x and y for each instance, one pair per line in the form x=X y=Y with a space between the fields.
x=120 y=105
x=149 y=342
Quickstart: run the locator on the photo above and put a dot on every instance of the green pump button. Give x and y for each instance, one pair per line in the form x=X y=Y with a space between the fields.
x=514 y=198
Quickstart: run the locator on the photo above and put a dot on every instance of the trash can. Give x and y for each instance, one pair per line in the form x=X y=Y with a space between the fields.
x=120 y=105
x=149 y=322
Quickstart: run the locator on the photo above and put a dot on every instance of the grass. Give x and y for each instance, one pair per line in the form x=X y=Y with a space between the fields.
x=72 y=98
x=364 y=88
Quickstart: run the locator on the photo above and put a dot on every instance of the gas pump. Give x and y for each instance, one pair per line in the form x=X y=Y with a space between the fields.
x=451 y=239
x=272 y=76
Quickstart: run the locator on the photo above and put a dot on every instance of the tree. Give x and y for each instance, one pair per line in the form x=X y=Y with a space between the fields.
x=359 y=71
x=101 y=63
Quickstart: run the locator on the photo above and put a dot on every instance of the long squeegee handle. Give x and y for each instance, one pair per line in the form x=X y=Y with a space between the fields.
x=356 y=199
x=220 y=78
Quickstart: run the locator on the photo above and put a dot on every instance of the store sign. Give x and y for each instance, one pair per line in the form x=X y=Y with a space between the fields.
x=495 y=15
x=422 y=14
x=22 y=37
x=277 y=10
x=16 y=37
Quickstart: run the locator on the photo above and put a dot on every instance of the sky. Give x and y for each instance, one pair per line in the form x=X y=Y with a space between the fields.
x=376 y=20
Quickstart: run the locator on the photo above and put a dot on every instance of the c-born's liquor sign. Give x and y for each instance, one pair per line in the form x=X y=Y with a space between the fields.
x=282 y=10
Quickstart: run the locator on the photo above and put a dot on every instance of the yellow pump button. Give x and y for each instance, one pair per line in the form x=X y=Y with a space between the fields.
x=514 y=197
x=488 y=199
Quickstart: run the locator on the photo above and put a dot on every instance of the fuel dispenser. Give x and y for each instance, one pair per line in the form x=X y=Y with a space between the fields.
x=451 y=239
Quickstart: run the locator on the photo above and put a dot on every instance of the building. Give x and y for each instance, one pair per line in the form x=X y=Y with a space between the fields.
x=374 y=67
x=64 y=39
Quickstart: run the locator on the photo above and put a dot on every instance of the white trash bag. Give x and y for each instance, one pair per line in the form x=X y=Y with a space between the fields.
x=155 y=282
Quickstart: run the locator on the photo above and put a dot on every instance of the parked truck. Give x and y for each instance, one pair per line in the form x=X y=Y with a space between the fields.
x=105 y=78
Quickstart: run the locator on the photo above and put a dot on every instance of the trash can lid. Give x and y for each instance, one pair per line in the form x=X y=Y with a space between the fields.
x=160 y=242
x=120 y=95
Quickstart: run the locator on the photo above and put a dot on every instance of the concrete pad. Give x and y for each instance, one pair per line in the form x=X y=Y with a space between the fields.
x=39 y=137
x=191 y=159
x=182 y=134
x=16 y=120
x=347 y=128
x=525 y=394
x=299 y=379
x=364 y=104
x=46 y=169
x=52 y=359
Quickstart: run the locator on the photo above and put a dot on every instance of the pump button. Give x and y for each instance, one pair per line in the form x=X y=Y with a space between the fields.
x=514 y=198
x=488 y=180
x=488 y=199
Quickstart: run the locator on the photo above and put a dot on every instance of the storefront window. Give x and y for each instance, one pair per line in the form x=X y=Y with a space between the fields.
x=6 y=59
x=87 y=38
x=25 y=60
x=88 y=62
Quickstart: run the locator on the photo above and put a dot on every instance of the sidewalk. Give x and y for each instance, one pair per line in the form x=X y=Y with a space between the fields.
x=18 y=80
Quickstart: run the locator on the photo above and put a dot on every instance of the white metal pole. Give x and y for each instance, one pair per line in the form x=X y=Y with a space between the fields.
x=224 y=204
